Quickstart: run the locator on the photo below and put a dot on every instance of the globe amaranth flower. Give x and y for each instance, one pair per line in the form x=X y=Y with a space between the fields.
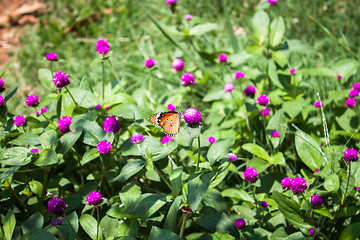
x=232 y=156
x=64 y=124
x=263 y=100
x=292 y=71
x=111 y=124
x=102 y=46
x=311 y=231
x=316 y=170
x=171 y=107
x=339 y=77
x=192 y=116
x=350 y=103
x=275 y=134
x=286 y=183
x=298 y=185
x=34 y=150
x=239 y=74
x=32 y=101
x=211 y=140
x=318 y=104
x=2 y=84
x=250 y=174
x=316 y=200
x=186 y=209
x=178 y=64
x=58 y=222
x=104 y=147
x=94 y=199
x=228 y=87
x=57 y=206
x=240 y=223
x=350 y=154
x=137 y=138
x=51 y=57
x=353 y=93
x=61 y=79
x=170 y=1
x=264 y=112
x=356 y=86
x=188 y=16
x=149 y=63
x=358 y=189
x=97 y=107
x=1 y=100
x=250 y=91
x=167 y=139
x=187 y=79
x=44 y=110
x=264 y=204
x=19 y=120
x=223 y=58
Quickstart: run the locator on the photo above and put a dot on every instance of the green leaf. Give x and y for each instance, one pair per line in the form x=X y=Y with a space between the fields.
x=130 y=169
x=37 y=234
x=3 y=114
x=49 y=139
x=188 y=135
x=166 y=150
x=3 y=70
x=45 y=77
x=9 y=224
x=15 y=156
x=130 y=111
x=229 y=26
x=36 y=187
x=109 y=226
x=89 y=155
x=325 y=212
x=158 y=233
x=47 y=157
x=220 y=149
x=260 y=24
x=176 y=179
x=277 y=123
x=130 y=194
x=197 y=186
x=237 y=195
x=93 y=133
x=35 y=221
x=84 y=98
x=11 y=93
x=67 y=141
x=89 y=223
x=25 y=139
x=293 y=108
x=349 y=120
x=351 y=232
x=8 y=172
x=273 y=74
x=65 y=229
x=201 y=29
x=325 y=72
x=170 y=221
x=277 y=30
x=256 y=150
x=332 y=183
x=280 y=58
x=292 y=211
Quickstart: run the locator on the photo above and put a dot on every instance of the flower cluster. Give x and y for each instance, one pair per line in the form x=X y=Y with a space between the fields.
x=223 y=58
x=19 y=121
x=61 y=79
x=297 y=184
x=232 y=156
x=240 y=223
x=275 y=134
x=32 y=101
x=318 y=104
x=51 y=57
x=350 y=154
x=137 y=138
x=263 y=100
x=104 y=147
x=264 y=112
x=250 y=174
x=57 y=206
x=228 y=87
x=167 y=139
x=149 y=63
x=102 y=46
x=171 y=107
x=239 y=74
x=64 y=124
x=111 y=124
x=211 y=140
x=250 y=91
x=192 y=116
x=94 y=199
x=187 y=79
x=316 y=200
x=178 y=64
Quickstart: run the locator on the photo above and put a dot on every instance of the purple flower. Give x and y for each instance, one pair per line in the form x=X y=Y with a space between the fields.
x=32 y=101
x=2 y=84
x=58 y=222
x=318 y=104
x=170 y=1
x=51 y=57
x=240 y=223
x=167 y=139
x=111 y=124
x=34 y=150
x=264 y=112
x=187 y=79
x=137 y=138
x=232 y=156
x=250 y=91
x=311 y=231
x=356 y=86
x=44 y=110
x=316 y=170
x=250 y=174
x=104 y=147
x=273 y=2
x=353 y=93
x=211 y=140
x=264 y=204
x=186 y=209
x=350 y=154
x=107 y=108
x=292 y=71
x=263 y=100
x=188 y=16
x=178 y=64
x=223 y=58
x=94 y=199
x=339 y=77
x=239 y=74
x=350 y=103
x=192 y=116
x=102 y=46
x=358 y=189
x=61 y=79
x=298 y=185
x=275 y=134
x=286 y=183
x=64 y=124
x=171 y=107
x=57 y=206
x=19 y=120
x=1 y=100
x=149 y=63
x=228 y=87
x=317 y=200
x=97 y=107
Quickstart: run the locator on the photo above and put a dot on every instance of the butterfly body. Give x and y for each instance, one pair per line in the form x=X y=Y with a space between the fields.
x=168 y=121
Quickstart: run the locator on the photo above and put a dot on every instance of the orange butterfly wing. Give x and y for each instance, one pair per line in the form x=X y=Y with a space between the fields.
x=168 y=121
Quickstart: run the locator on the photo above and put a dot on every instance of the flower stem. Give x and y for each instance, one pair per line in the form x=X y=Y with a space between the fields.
x=72 y=228
x=159 y=172
x=61 y=236
x=198 y=160
x=193 y=97
x=150 y=81
x=103 y=81
x=256 y=205
x=45 y=183
x=183 y=224
x=51 y=68
x=347 y=184
x=98 y=219
x=71 y=96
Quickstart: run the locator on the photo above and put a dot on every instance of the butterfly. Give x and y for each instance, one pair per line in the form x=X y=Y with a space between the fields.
x=168 y=121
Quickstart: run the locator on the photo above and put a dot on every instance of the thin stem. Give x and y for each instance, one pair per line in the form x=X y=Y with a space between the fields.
x=47 y=119
x=103 y=81
x=72 y=228
x=223 y=170
x=257 y=210
x=150 y=81
x=193 y=96
x=183 y=224
x=347 y=184
x=114 y=72
x=71 y=96
x=322 y=234
x=45 y=183
x=57 y=228
x=159 y=172
x=98 y=219
x=17 y=197
x=51 y=68
x=198 y=160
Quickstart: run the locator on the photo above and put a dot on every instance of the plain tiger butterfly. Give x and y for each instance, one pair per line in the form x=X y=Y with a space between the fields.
x=168 y=121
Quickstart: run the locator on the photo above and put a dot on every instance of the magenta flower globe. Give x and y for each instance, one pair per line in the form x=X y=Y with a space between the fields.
x=61 y=79
x=97 y=107
x=239 y=74
x=102 y=47
x=192 y=116
x=187 y=79
x=169 y=2
x=94 y=199
x=149 y=63
x=292 y=71
x=263 y=100
x=167 y=139
x=137 y=138
x=273 y=2
x=250 y=91
x=318 y=104
x=264 y=204
x=286 y=183
x=232 y=156
x=358 y=189
x=104 y=147
x=2 y=84
x=264 y=112
x=188 y=17
x=64 y=124
x=34 y=150
x=32 y=101
x=316 y=200
x=111 y=124
x=298 y=185
x=223 y=58
x=350 y=103
x=1 y=100
x=178 y=64
x=228 y=87
x=51 y=57
x=356 y=86
x=240 y=223
x=171 y=107
x=56 y=206
x=350 y=154
x=57 y=223
x=275 y=134
x=353 y=93
x=211 y=140
x=250 y=174
x=19 y=121
x=43 y=110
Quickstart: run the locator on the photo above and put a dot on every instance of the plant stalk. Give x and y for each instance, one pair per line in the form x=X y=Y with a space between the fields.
x=98 y=219
x=72 y=228
x=198 y=160
x=71 y=96
x=183 y=224
x=103 y=81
